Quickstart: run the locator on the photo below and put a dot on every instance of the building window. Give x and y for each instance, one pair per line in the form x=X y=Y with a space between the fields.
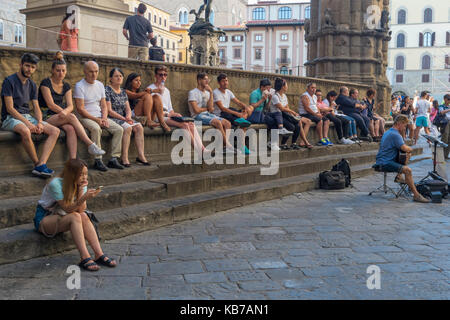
x=284 y=37
x=150 y=16
x=173 y=45
x=258 y=37
x=400 y=63
x=238 y=38
x=284 y=70
x=237 y=53
x=447 y=39
x=447 y=61
x=18 y=33
x=285 y=13
x=160 y=21
x=167 y=44
x=259 y=14
x=307 y=12
x=428 y=39
x=222 y=56
x=162 y=43
x=425 y=78
x=1 y=30
x=154 y=19
x=258 y=54
x=223 y=38
x=428 y=15
x=165 y=22
x=401 y=18
x=399 y=78
x=426 y=62
x=401 y=40
x=180 y=56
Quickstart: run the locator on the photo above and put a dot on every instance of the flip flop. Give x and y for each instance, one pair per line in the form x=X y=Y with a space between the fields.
x=108 y=262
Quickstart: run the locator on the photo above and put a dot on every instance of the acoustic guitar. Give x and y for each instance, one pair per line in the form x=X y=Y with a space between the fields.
x=402 y=157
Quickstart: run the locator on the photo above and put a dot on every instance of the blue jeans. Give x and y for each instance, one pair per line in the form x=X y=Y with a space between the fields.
x=352 y=125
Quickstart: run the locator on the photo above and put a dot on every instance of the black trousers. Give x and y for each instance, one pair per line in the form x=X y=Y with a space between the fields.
x=339 y=124
x=292 y=125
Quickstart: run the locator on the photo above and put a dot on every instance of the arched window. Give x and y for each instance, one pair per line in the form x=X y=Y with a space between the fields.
x=211 y=17
x=400 y=63
x=307 y=12
x=427 y=39
x=426 y=62
x=428 y=15
x=401 y=18
x=400 y=40
x=18 y=33
x=283 y=70
x=259 y=14
x=284 y=13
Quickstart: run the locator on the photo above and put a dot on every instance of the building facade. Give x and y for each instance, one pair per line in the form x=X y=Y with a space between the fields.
x=12 y=23
x=419 y=52
x=232 y=47
x=276 y=36
x=183 y=43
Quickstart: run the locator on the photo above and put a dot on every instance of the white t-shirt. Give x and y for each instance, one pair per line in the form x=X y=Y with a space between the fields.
x=92 y=94
x=278 y=99
x=224 y=97
x=312 y=104
x=166 y=100
x=422 y=107
x=201 y=97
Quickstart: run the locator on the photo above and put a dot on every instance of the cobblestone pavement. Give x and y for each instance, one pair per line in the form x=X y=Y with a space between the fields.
x=313 y=245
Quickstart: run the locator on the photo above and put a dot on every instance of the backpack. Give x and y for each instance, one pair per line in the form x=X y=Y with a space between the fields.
x=331 y=180
x=156 y=53
x=344 y=166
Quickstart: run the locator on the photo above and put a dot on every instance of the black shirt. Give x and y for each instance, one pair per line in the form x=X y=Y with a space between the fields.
x=346 y=104
x=58 y=98
x=21 y=93
x=139 y=28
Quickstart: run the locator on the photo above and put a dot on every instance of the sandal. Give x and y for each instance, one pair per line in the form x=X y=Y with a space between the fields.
x=142 y=162
x=166 y=128
x=85 y=265
x=126 y=165
x=108 y=262
x=152 y=124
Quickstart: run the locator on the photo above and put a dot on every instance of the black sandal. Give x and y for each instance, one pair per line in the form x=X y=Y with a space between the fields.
x=142 y=162
x=85 y=265
x=108 y=262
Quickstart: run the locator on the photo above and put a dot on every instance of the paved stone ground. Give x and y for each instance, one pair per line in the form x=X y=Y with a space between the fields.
x=314 y=245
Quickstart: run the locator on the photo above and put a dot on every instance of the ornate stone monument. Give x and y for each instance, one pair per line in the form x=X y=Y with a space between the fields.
x=204 y=38
x=348 y=41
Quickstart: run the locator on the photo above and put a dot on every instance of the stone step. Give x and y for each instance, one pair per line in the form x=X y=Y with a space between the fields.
x=20 y=210
x=27 y=185
x=22 y=242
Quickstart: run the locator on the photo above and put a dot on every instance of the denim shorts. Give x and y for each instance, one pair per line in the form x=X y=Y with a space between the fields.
x=40 y=214
x=422 y=122
x=10 y=122
x=207 y=117
x=392 y=166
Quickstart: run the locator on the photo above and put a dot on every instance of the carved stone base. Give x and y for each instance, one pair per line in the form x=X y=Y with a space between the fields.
x=204 y=49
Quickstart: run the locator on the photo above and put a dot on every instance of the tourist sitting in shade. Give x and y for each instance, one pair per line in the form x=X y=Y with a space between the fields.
x=119 y=111
x=377 y=123
x=90 y=100
x=17 y=92
x=143 y=103
x=328 y=112
x=350 y=107
x=62 y=208
x=289 y=119
x=222 y=101
x=348 y=123
x=308 y=108
x=201 y=107
x=259 y=100
x=55 y=99
x=161 y=74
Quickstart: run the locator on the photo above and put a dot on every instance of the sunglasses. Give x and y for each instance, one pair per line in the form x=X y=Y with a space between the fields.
x=162 y=74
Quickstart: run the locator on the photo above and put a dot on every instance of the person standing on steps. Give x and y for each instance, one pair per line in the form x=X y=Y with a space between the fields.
x=138 y=30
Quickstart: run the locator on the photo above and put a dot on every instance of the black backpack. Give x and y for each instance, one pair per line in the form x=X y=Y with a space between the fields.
x=156 y=53
x=332 y=180
x=344 y=166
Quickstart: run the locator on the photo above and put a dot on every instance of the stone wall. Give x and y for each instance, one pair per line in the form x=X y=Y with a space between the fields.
x=182 y=78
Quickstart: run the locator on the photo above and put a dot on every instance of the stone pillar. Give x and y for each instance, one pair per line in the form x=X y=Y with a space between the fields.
x=204 y=49
x=343 y=46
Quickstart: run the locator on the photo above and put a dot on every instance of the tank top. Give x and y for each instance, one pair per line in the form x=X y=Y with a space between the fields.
x=312 y=104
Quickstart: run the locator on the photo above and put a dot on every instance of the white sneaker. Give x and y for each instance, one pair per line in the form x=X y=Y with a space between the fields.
x=284 y=132
x=347 y=141
x=95 y=150
x=274 y=147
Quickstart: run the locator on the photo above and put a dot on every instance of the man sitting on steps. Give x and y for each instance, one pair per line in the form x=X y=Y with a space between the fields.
x=391 y=143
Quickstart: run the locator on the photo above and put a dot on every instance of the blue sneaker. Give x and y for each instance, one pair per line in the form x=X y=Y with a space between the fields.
x=246 y=151
x=242 y=123
x=328 y=141
x=323 y=142
x=42 y=171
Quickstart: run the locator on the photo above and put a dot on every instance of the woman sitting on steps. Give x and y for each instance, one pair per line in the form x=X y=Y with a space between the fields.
x=62 y=208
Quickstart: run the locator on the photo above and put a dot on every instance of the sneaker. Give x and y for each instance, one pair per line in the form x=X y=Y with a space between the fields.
x=95 y=150
x=99 y=165
x=274 y=147
x=347 y=141
x=242 y=123
x=114 y=163
x=367 y=138
x=322 y=142
x=328 y=141
x=284 y=132
x=42 y=171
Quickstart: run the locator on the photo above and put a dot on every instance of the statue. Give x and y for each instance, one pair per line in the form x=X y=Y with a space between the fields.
x=327 y=21
x=384 y=22
x=201 y=25
x=307 y=26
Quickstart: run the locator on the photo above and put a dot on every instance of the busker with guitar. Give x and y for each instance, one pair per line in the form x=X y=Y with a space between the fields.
x=392 y=145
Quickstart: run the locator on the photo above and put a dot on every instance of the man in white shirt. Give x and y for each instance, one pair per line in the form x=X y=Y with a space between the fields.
x=90 y=100
x=201 y=107
x=422 y=110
